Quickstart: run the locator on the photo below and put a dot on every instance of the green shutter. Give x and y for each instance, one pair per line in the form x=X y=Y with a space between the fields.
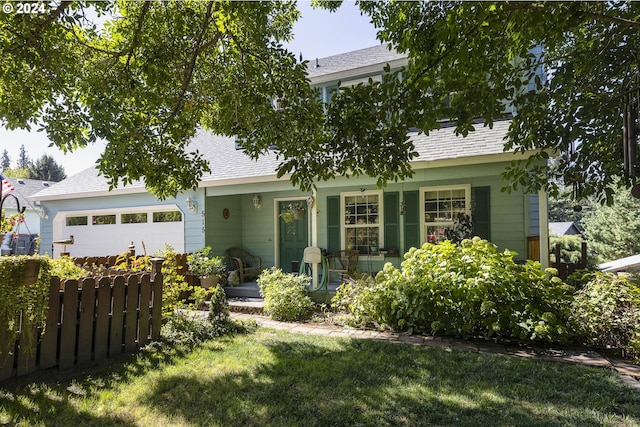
x=480 y=215
x=411 y=220
x=391 y=220
x=333 y=224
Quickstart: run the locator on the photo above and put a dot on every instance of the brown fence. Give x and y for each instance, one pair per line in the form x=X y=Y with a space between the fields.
x=87 y=321
x=566 y=268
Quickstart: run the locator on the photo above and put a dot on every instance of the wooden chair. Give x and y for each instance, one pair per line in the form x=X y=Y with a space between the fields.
x=245 y=263
x=342 y=262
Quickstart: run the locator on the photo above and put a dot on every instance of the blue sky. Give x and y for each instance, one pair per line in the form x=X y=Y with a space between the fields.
x=318 y=34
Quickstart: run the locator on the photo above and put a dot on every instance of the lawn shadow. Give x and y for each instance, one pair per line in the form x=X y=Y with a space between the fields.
x=47 y=397
x=358 y=382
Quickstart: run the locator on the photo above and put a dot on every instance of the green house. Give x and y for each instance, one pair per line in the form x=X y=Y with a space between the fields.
x=239 y=204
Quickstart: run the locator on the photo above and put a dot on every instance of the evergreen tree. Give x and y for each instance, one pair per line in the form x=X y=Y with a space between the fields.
x=5 y=162
x=612 y=231
x=23 y=158
x=46 y=169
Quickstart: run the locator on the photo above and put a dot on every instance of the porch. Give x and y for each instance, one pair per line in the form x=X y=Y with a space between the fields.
x=250 y=291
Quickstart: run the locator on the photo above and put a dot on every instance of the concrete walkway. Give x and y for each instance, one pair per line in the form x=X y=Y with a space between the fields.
x=629 y=373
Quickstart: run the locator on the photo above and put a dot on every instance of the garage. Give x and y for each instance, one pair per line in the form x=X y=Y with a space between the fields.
x=106 y=232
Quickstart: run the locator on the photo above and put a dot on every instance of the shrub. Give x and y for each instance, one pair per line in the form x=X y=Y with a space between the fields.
x=65 y=268
x=176 y=292
x=202 y=264
x=285 y=295
x=606 y=312
x=464 y=290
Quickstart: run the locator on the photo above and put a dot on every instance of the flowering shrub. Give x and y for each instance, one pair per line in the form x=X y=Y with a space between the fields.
x=464 y=290
x=202 y=264
x=285 y=295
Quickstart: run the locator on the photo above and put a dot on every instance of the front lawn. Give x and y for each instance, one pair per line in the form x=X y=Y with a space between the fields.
x=281 y=379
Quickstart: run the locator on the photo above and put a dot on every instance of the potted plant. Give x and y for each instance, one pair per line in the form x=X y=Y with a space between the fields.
x=297 y=210
x=287 y=217
x=207 y=268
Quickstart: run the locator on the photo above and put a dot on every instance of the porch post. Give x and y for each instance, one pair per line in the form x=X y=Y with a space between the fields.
x=544 y=228
x=313 y=224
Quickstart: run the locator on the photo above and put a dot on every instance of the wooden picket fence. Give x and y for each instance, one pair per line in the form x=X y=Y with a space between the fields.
x=88 y=321
x=566 y=268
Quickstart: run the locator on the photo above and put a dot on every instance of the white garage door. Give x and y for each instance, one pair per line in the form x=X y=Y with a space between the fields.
x=110 y=231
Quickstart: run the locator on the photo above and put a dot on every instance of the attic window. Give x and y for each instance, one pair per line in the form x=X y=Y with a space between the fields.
x=45 y=183
x=20 y=181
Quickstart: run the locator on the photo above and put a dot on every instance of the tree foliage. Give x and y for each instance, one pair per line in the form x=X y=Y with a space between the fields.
x=153 y=72
x=612 y=231
x=23 y=158
x=5 y=161
x=46 y=169
x=567 y=68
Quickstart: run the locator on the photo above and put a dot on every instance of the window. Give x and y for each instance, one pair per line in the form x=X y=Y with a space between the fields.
x=133 y=218
x=440 y=205
x=172 y=216
x=76 y=220
x=362 y=221
x=103 y=219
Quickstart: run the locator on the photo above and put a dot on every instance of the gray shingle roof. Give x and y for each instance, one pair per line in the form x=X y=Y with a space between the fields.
x=229 y=164
x=23 y=188
x=563 y=228
x=376 y=55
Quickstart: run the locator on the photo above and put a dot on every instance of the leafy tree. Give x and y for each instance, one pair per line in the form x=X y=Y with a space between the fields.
x=23 y=158
x=467 y=58
x=156 y=71
x=612 y=231
x=16 y=173
x=46 y=169
x=5 y=162
x=153 y=74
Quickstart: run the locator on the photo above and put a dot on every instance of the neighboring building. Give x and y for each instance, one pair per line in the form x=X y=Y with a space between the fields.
x=630 y=264
x=27 y=231
x=240 y=201
x=560 y=229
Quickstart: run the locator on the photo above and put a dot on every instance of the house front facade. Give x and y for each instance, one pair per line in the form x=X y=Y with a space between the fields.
x=241 y=201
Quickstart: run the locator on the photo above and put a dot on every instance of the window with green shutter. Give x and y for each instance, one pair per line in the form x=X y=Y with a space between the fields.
x=481 y=214
x=411 y=220
x=391 y=220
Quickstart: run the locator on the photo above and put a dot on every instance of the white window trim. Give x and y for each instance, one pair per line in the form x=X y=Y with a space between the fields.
x=424 y=223
x=380 y=225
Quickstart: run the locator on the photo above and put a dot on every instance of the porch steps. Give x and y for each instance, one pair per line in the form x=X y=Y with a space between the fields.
x=246 y=305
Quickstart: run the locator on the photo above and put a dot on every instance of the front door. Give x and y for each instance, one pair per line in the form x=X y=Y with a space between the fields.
x=294 y=233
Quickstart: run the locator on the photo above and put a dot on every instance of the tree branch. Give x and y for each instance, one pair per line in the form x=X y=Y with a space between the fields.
x=191 y=65
x=613 y=20
x=136 y=35
x=43 y=25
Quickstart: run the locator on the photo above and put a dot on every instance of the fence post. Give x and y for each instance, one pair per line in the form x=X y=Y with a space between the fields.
x=69 y=324
x=156 y=309
x=86 y=321
x=49 y=341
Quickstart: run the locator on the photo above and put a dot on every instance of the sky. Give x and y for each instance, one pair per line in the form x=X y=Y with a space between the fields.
x=318 y=34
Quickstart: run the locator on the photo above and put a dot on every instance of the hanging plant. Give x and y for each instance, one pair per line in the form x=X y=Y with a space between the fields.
x=24 y=293
x=287 y=216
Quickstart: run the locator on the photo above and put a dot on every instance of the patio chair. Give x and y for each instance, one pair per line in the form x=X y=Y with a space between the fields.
x=342 y=262
x=245 y=263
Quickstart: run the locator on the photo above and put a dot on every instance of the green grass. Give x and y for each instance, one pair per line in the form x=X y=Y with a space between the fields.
x=280 y=379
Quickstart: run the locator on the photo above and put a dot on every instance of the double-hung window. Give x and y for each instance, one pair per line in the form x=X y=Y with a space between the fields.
x=439 y=207
x=362 y=221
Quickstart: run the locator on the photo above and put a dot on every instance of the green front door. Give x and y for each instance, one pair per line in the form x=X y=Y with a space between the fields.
x=294 y=235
